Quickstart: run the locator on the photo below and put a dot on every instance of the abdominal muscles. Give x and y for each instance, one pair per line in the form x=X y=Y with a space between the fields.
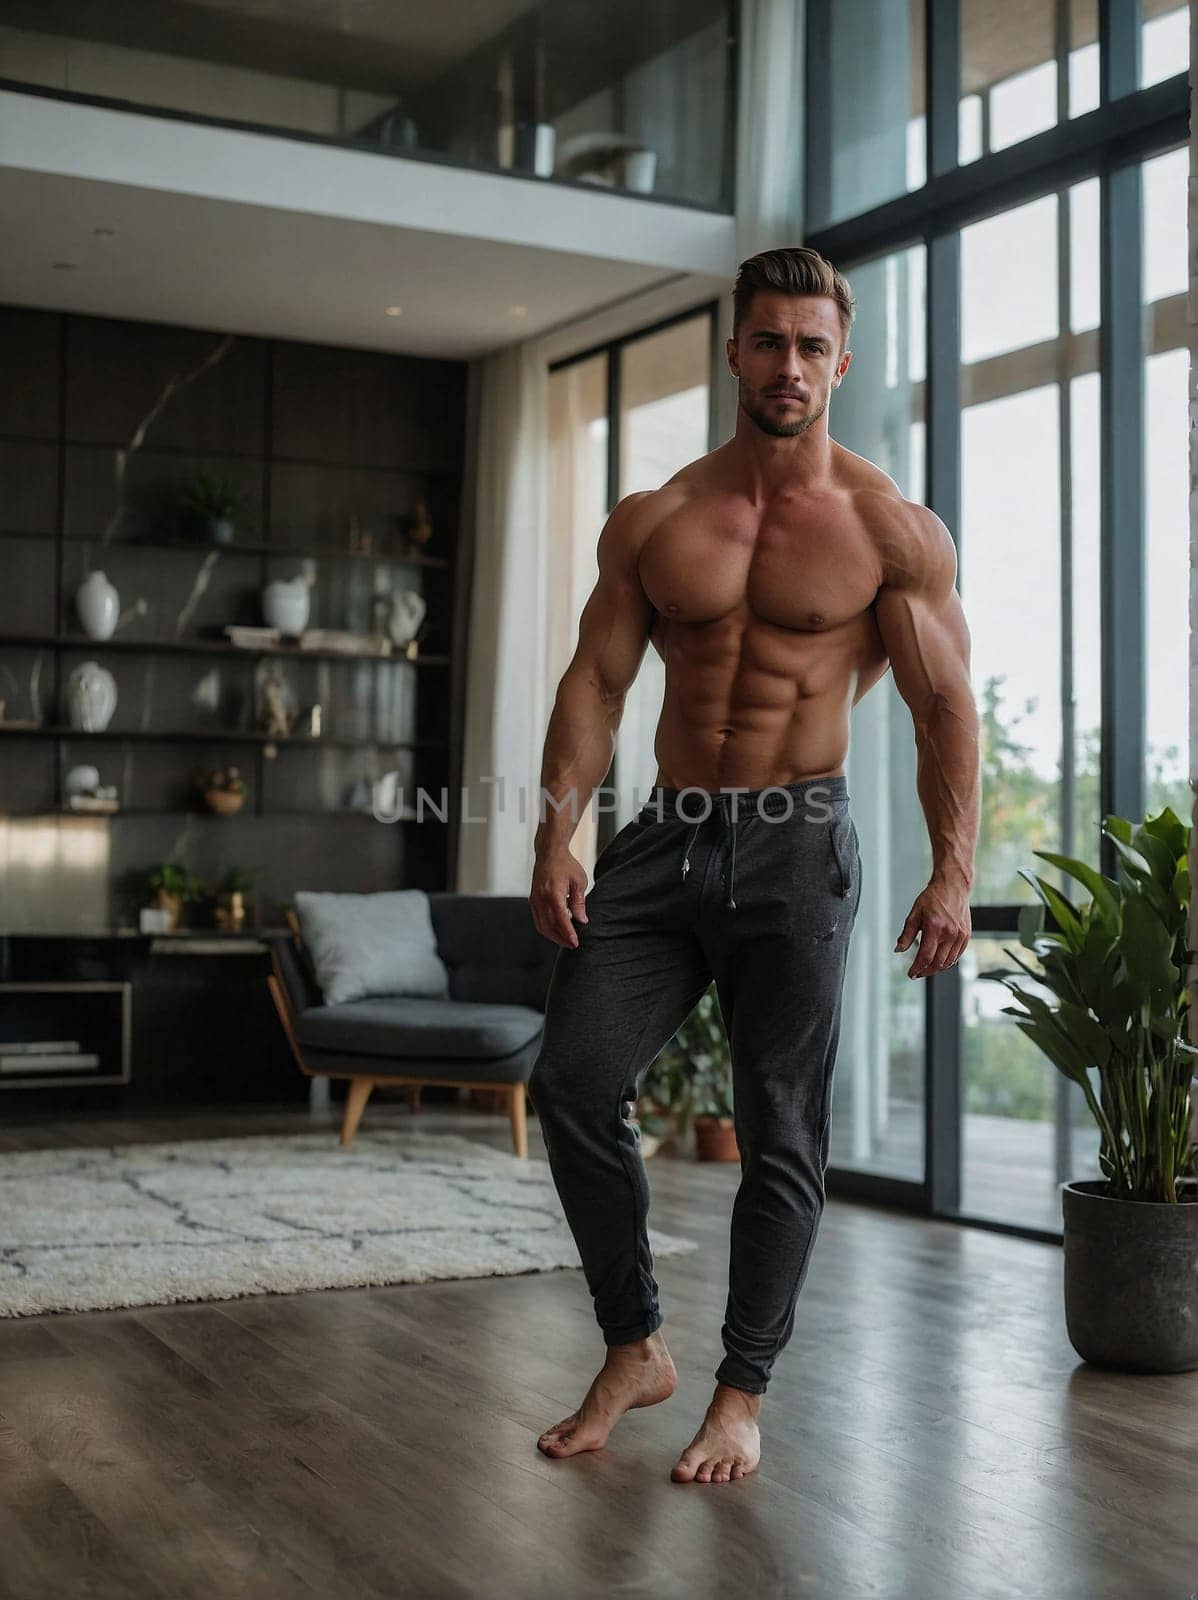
x=753 y=711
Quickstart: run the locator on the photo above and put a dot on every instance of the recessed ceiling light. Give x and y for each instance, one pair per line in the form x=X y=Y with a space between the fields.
x=106 y=232
x=395 y=311
x=65 y=266
x=517 y=311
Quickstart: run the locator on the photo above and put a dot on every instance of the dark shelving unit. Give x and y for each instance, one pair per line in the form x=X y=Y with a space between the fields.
x=219 y=647
x=220 y=735
x=103 y=424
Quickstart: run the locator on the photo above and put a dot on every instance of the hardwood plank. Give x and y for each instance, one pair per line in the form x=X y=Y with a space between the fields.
x=929 y=1431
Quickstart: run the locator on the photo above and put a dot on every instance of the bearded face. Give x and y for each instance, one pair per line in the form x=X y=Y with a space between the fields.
x=787 y=358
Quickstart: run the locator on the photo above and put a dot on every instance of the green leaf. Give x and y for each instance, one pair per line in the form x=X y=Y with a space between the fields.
x=1065 y=912
x=1148 y=950
x=1134 y=863
x=1059 y=1050
x=1181 y=882
x=1157 y=853
x=1104 y=892
x=1089 y=1036
x=1031 y=922
x=1168 y=827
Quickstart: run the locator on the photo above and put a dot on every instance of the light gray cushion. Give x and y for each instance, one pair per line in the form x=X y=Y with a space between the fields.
x=372 y=944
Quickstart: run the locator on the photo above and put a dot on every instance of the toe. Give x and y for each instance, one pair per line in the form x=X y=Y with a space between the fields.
x=737 y=1470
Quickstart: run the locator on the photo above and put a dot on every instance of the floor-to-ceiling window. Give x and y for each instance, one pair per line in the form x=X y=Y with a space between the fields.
x=878 y=1121
x=624 y=418
x=1010 y=196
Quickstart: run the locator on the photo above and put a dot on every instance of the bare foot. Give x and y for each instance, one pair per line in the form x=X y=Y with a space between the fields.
x=639 y=1374
x=727 y=1444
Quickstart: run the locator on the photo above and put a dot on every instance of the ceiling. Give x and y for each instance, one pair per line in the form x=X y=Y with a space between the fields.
x=217 y=264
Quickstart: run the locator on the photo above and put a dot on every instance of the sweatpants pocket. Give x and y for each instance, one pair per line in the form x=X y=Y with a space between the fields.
x=844 y=850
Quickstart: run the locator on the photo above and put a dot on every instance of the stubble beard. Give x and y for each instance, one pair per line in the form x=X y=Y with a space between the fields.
x=777 y=427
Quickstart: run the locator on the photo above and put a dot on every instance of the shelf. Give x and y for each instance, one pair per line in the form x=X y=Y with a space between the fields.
x=201 y=813
x=220 y=736
x=291 y=552
x=217 y=647
x=198 y=452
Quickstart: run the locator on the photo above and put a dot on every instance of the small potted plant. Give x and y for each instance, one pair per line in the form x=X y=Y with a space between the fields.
x=690 y=1082
x=230 y=911
x=174 y=887
x=1117 y=967
x=214 y=500
x=225 y=791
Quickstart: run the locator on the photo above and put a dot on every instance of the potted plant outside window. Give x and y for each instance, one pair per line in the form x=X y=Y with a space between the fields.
x=1118 y=967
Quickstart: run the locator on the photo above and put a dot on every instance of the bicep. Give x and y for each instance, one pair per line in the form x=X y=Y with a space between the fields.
x=613 y=629
x=923 y=627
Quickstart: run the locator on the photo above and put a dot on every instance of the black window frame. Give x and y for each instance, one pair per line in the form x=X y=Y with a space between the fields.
x=1129 y=126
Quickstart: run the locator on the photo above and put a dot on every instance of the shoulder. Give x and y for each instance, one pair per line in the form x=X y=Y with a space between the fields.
x=914 y=547
x=630 y=522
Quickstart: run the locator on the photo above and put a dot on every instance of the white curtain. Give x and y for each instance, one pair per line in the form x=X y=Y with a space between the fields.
x=508 y=693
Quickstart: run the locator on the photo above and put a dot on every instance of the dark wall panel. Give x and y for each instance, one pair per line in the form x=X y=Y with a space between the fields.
x=27 y=586
x=31 y=343
x=28 y=485
x=360 y=408
x=165 y=387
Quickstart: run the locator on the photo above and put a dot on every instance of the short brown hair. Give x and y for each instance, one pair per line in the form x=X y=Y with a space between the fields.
x=794 y=269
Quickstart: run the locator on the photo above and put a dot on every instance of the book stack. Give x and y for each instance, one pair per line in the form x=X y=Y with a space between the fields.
x=44 y=1055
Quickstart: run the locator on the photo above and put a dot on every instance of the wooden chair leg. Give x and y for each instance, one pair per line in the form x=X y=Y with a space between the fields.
x=355 y=1104
x=414 y=1097
x=517 y=1113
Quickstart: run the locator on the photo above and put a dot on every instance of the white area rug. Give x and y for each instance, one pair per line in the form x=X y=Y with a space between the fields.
x=212 y=1219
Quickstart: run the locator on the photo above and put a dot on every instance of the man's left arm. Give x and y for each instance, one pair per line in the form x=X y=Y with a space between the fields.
x=925 y=634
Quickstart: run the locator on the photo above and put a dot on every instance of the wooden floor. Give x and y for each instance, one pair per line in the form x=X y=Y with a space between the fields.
x=929 y=1433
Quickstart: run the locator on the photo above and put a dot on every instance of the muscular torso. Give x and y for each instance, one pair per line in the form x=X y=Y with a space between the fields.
x=764 y=619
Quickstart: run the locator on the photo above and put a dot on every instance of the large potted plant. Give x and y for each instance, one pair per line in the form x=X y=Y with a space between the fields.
x=690 y=1082
x=1117 y=967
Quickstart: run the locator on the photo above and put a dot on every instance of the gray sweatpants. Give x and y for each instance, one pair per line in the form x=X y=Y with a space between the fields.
x=758 y=889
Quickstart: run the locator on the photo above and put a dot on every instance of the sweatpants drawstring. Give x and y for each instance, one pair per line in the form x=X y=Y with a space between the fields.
x=730 y=814
x=686 y=856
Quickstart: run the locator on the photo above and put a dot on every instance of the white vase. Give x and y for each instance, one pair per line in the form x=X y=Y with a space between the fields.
x=90 y=697
x=285 y=605
x=408 y=610
x=98 y=605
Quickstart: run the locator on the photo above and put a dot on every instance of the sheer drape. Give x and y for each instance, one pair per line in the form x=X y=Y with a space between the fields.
x=508 y=694
x=539 y=506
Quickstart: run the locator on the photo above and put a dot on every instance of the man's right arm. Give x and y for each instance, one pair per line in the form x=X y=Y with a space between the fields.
x=613 y=632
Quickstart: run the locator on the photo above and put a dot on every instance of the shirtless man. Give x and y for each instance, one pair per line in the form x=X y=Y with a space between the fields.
x=777 y=576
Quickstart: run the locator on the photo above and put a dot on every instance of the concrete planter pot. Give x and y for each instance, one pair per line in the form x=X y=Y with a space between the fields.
x=1131 y=1278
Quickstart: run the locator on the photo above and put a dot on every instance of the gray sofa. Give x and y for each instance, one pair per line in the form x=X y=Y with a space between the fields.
x=485 y=1036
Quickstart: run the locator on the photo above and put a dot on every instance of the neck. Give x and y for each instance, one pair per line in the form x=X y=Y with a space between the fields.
x=765 y=464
